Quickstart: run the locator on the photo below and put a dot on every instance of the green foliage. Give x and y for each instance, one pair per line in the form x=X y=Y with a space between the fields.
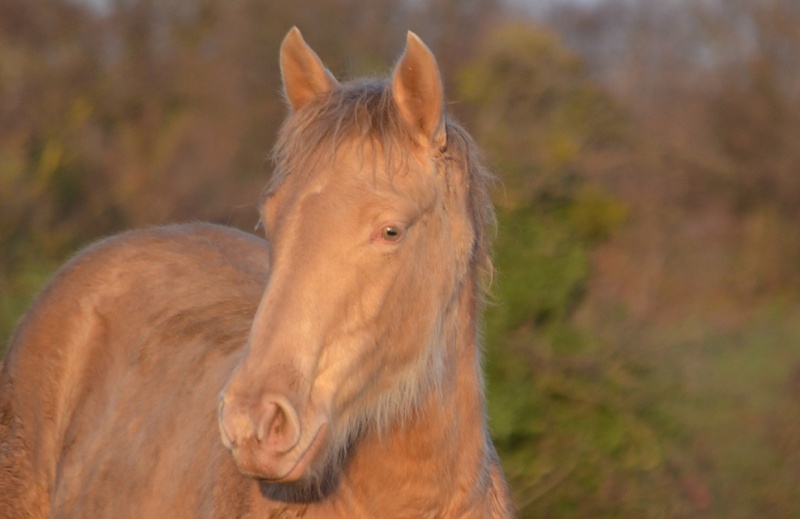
x=572 y=434
x=17 y=291
x=541 y=266
x=731 y=402
x=595 y=214
x=537 y=113
x=564 y=411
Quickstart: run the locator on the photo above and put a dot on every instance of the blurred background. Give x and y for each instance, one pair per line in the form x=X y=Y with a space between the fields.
x=643 y=336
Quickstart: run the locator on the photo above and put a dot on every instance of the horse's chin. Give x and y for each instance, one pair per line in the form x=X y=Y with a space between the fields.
x=302 y=468
x=314 y=477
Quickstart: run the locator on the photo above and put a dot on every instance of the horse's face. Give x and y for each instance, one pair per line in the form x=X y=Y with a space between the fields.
x=366 y=255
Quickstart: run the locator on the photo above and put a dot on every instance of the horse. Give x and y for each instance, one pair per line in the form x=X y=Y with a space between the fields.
x=332 y=369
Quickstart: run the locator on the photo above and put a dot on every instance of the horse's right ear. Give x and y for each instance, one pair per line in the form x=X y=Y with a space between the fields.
x=304 y=75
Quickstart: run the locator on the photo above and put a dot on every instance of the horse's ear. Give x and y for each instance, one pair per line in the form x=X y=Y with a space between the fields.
x=304 y=75
x=417 y=91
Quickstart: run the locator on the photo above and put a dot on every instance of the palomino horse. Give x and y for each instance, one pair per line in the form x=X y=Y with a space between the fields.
x=330 y=371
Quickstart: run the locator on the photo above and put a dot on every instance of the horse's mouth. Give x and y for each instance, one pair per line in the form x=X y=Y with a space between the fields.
x=305 y=459
x=284 y=468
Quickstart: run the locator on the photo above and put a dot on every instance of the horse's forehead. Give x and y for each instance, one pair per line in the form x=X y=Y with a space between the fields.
x=362 y=172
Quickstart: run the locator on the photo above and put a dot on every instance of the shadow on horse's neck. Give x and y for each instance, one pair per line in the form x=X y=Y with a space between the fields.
x=441 y=447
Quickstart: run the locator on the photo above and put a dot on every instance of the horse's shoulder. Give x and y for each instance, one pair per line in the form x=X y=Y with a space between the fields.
x=130 y=280
x=193 y=286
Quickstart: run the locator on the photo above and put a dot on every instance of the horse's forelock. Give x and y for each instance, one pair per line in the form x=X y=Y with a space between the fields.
x=357 y=112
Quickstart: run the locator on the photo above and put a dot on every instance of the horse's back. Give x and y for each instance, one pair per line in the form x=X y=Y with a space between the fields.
x=119 y=361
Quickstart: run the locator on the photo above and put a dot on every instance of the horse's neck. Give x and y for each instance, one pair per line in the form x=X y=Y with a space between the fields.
x=440 y=461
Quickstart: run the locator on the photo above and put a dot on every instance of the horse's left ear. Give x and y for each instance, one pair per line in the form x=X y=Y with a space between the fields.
x=417 y=92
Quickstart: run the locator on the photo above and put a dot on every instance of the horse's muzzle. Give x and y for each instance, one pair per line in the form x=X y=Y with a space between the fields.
x=266 y=437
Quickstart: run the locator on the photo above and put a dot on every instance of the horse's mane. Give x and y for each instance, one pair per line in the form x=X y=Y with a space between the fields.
x=363 y=111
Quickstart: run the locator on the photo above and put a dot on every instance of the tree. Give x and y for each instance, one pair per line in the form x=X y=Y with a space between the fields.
x=571 y=434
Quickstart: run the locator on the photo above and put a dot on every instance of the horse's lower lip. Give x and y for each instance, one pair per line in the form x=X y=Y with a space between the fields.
x=296 y=471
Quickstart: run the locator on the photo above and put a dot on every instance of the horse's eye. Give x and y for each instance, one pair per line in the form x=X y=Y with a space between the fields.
x=391 y=233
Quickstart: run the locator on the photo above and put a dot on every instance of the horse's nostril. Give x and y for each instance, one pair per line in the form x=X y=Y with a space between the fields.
x=266 y=422
x=274 y=425
x=278 y=429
